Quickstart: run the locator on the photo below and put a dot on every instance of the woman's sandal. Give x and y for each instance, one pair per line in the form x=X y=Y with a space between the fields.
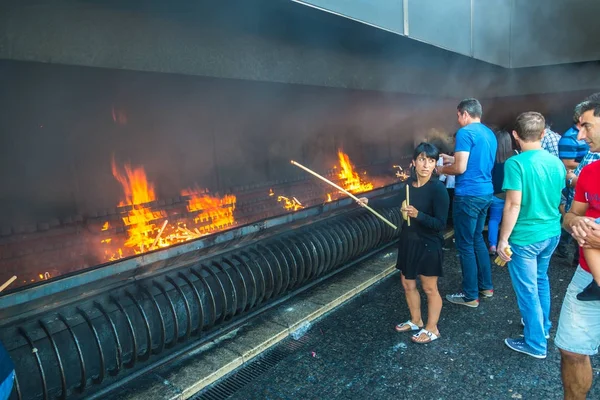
x=407 y=327
x=430 y=337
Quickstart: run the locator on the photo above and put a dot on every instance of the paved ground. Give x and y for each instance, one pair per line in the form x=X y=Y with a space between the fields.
x=354 y=352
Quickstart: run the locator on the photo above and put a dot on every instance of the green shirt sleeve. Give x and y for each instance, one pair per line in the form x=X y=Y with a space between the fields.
x=513 y=177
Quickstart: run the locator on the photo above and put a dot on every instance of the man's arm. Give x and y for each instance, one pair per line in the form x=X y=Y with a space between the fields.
x=574 y=216
x=512 y=207
x=447 y=159
x=570 y=163
x=576 y=223
x=461 y=158
x=582 y=228
x=571 y=179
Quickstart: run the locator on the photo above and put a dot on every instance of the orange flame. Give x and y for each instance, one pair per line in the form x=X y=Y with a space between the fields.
x=292 y=204
x=135 y=185
x=350 y=180
x=148 y=227
x=140 y=220
x=214 y=212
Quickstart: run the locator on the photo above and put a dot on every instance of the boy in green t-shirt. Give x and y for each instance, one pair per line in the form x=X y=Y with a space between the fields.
x=533 y=181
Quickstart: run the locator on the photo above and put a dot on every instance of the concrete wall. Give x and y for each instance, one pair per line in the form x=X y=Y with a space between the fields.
x=510 y=33
x=475 y=28
x=262 y=40
x=554 y=32
x=384 y=14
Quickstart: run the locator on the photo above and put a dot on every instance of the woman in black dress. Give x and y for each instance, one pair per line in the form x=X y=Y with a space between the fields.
x=420 y=244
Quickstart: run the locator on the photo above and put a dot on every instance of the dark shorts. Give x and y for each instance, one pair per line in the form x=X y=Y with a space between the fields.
x=417 y=256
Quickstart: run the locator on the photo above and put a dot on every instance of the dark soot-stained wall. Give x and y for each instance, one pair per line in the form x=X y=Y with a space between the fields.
x=62 y=125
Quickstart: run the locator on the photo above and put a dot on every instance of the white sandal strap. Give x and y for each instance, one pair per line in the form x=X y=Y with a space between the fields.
x=431 y=335
x=413 y=327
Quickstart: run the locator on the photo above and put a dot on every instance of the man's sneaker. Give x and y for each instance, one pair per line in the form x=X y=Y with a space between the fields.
x=523 y=325
x=522 y=347
x=460 y=299
x=486 y=293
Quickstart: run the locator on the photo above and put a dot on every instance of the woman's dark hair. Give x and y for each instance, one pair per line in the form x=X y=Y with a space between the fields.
x=505 y=149
x=430 y=151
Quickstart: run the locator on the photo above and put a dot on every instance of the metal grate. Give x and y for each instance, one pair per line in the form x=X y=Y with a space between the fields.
x=229 y=385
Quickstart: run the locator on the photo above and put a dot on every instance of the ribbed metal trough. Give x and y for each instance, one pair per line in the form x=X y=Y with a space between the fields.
x=84 y=334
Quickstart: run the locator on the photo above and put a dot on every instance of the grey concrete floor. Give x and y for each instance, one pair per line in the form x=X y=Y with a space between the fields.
x=354 y=352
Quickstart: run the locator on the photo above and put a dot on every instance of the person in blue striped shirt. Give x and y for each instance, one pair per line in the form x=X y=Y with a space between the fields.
x=571 y=150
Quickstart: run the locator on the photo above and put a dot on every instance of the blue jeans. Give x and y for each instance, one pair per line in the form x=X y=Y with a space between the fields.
x=529 y=274
x=496 y=210
x=469 y=214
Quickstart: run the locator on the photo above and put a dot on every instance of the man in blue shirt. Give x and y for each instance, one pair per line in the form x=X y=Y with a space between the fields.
x=472 y=164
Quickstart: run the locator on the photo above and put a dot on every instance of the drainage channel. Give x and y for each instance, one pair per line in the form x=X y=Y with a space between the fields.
x=238 y=379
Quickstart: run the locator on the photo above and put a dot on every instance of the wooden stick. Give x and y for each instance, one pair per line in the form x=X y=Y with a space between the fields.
x=8 y=282
x=407 y=204
x=381 y=217
x=159 y=233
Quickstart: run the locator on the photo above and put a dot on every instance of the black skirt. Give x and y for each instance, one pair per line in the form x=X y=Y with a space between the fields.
x=419 y=256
